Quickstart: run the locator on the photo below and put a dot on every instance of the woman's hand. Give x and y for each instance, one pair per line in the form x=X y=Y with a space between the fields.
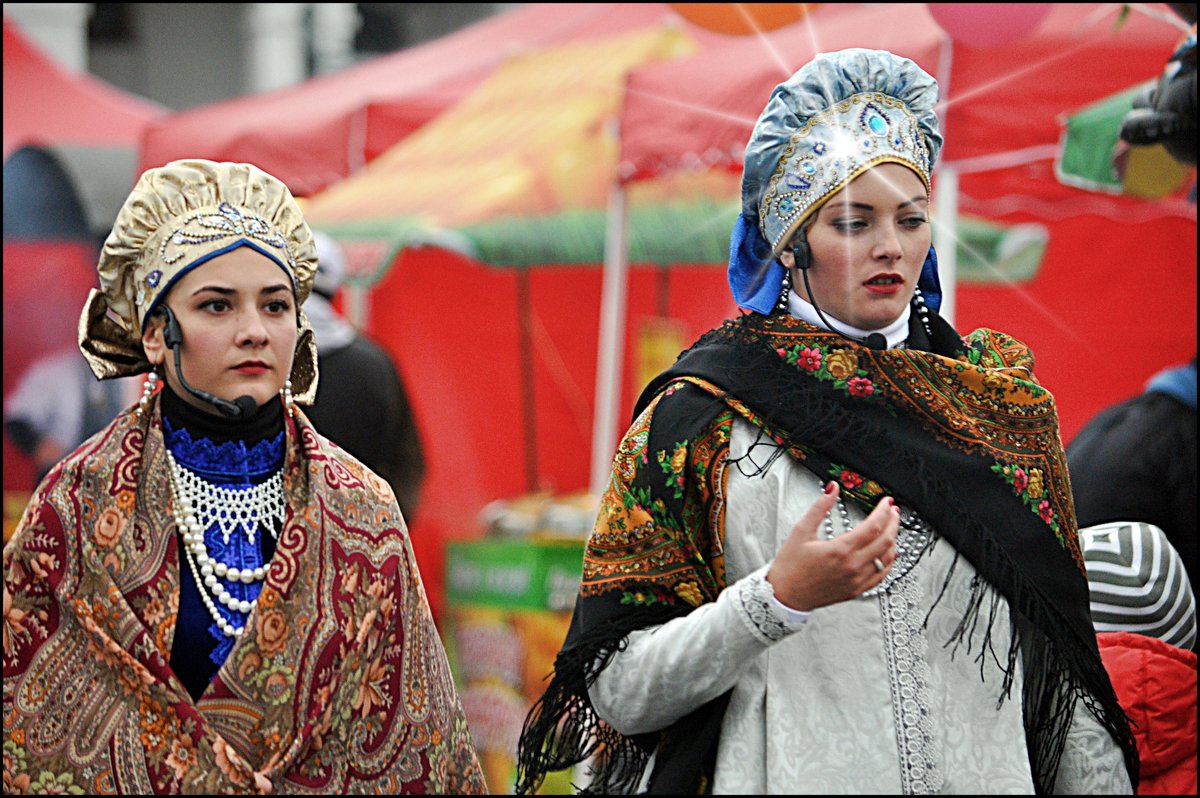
x=808 y=572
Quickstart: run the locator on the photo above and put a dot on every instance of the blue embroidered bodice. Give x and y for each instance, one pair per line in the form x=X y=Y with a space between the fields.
x=229 y=461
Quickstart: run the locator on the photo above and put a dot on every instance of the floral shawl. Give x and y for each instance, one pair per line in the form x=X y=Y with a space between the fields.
x=340 y=685
x=957 y=429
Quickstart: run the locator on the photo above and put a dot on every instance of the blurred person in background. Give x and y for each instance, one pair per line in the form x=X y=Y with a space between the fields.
x=838 y=552
x=1144 y=612
x=207 y=596
x=58 y=404
x=1136 y=461
x=361 y=404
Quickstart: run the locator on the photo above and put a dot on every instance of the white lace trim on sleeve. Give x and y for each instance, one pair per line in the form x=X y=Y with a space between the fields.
x=767 y=618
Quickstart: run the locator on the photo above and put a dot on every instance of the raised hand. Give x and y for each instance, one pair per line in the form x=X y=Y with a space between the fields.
x=808 y=572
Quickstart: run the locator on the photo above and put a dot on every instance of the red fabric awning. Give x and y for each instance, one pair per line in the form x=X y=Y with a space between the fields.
x=46 y=104
x=314 y=134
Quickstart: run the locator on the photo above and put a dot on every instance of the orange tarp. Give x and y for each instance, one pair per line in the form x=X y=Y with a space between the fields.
x=534 y=138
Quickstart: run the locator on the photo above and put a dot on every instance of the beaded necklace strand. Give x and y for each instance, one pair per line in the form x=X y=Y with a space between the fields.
x=198 y=506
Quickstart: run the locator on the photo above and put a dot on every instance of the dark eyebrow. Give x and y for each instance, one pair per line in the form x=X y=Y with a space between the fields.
x=867 y=207
x=217 y=289
x=214 y=289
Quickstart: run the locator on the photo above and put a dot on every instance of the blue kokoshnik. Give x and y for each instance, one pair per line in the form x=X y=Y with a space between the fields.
x=836 y=117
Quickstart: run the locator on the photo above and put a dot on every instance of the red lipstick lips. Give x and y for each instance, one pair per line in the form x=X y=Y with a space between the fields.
x=251 y=367
x=884 y=284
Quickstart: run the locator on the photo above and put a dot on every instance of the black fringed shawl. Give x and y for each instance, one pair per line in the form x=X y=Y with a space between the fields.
x=958 y=430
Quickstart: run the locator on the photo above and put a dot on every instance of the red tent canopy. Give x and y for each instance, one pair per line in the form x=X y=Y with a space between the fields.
x=1003 y=103
x=318 y=132
x=92 y=129
x=46 y=104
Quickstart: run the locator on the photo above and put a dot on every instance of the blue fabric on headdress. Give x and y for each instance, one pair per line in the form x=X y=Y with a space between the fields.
x=929 y=282
x=840 y=84
x=755 y=278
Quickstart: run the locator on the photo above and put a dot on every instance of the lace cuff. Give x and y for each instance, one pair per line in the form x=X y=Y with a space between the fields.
x=767 y=618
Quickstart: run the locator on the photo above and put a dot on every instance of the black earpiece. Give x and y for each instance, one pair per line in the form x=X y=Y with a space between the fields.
x=801 y=252
x=172 y=335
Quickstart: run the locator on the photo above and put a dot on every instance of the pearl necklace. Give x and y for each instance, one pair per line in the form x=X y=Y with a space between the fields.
x=198 y=505
x=911 y=541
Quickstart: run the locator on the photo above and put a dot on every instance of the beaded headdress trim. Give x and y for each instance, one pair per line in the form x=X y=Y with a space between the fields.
x=202 y=230
x=831 y=149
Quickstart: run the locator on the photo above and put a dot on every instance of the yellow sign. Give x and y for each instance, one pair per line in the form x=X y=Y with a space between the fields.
x=14 y=506
x=659 y=342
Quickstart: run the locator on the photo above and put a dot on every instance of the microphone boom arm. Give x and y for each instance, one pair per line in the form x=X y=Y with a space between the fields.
x=173 y=338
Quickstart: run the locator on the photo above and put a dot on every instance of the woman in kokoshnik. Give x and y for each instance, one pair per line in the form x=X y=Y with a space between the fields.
x=838 y=551
x=208 y=596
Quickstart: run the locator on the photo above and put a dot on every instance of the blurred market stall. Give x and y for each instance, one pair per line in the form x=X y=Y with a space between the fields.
x=316 y=133
x=70 y=154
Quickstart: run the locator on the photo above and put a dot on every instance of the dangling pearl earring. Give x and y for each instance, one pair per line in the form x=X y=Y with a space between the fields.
x=785 y=290
x=286 y=393
x=919 y=303
x=147 y=392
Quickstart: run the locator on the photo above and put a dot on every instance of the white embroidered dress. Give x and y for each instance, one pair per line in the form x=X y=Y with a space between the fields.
x=856 y=699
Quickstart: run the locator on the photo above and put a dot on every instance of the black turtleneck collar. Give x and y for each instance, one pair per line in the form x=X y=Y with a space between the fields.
x=266 y=422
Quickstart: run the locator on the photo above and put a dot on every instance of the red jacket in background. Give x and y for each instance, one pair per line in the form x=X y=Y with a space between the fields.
x=1156 y=684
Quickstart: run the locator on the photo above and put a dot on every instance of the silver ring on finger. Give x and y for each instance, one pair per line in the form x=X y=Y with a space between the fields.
x=878 y=564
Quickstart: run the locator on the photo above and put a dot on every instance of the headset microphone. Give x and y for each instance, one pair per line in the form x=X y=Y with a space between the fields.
x=173 y=338
x=802 y=255
x=875 y=341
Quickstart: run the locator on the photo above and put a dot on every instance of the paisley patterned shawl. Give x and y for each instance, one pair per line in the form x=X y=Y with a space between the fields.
x=958 y=429
x=340 y=685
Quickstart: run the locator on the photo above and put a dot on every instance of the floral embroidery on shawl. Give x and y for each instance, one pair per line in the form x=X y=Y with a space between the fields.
x=636 y=534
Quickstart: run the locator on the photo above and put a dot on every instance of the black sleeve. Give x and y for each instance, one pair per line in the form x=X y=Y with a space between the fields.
x=1136 y=461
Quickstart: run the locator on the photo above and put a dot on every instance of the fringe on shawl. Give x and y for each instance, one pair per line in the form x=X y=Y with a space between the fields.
x=1060 y=668
x=1057 y=674
x=562 y=729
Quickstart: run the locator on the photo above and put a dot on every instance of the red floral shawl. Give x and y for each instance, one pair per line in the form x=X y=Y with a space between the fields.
x=340 y=685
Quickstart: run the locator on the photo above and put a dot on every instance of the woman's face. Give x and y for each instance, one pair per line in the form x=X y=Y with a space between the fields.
x=237 y=314
x=868 y=242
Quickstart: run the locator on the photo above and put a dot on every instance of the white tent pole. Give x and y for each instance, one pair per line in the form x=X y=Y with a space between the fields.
x=355 y=306
x=945 y=235
x=611 y=344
